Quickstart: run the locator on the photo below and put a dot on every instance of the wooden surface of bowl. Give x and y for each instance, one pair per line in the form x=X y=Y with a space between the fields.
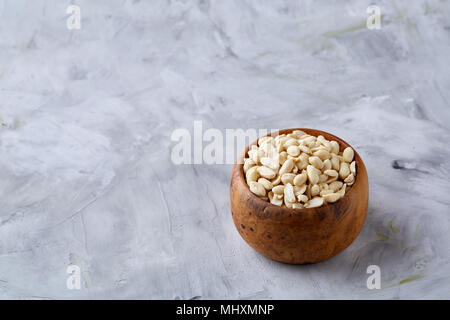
x=299 y=236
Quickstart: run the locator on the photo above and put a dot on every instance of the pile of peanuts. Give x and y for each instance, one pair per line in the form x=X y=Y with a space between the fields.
x=298 y=170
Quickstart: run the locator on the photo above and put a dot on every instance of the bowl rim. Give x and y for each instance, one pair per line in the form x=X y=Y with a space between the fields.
x=240 y=164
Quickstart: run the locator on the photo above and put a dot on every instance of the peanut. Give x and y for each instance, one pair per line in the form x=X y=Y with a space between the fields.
x=298 y=170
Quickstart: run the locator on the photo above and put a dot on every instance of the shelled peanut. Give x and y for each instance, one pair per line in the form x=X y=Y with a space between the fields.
x=298 y=170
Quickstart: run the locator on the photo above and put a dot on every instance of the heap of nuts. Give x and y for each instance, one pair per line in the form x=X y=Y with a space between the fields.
x=298 y=170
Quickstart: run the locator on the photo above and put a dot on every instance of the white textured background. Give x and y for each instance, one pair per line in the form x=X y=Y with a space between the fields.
x=87 y=115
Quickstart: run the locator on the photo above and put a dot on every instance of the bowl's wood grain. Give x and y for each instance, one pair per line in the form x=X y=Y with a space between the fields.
x=299 y=236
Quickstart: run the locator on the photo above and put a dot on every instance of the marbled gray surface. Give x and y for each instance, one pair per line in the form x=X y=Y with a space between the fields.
x=87 y=116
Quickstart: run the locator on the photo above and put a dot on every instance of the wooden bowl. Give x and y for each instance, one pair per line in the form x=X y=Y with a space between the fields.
x=299 y=236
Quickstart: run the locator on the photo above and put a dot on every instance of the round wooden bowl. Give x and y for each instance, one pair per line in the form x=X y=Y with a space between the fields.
x=299 y=236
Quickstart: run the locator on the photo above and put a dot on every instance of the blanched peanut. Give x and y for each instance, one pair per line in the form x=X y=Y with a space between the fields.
x=266 y=172
x=252 y=174
x=325 y=192
x=335 y=162
x=288 y=204
x=300 y=179
x=305 y=149
x=350 y=179
x=316 y=162
x=308 y=191
x=322 y=154
x=353 y=168
x=335 y=185
x=264 y=140
x=342 y=190
x=290 y=142
x=257 y=189
x=334 y=147
x=302 y=198
x=276 y=181
x=278 y=189
x=299 y=190
x=297 y=206
x=323 y=178
x=248 y=163
x=299 y=133
x=315 y=190
x=288 y=178
x=277 y=201
x=265 y=183
x=282 y=157
x=348 y=154
x=326 y=165
x=289 y=193
x=287 y=166
x=303 y=161
x=270 y=163
x=331 y=197
x=331 y=179
x=323 y=186
x=331 y=173
x=313 y=176
x=293 y=151
x=344 y=170
x=314 y=202
x=308 y=140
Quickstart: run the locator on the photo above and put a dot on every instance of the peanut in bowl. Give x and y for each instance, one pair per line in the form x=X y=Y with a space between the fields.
x=303 y=233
